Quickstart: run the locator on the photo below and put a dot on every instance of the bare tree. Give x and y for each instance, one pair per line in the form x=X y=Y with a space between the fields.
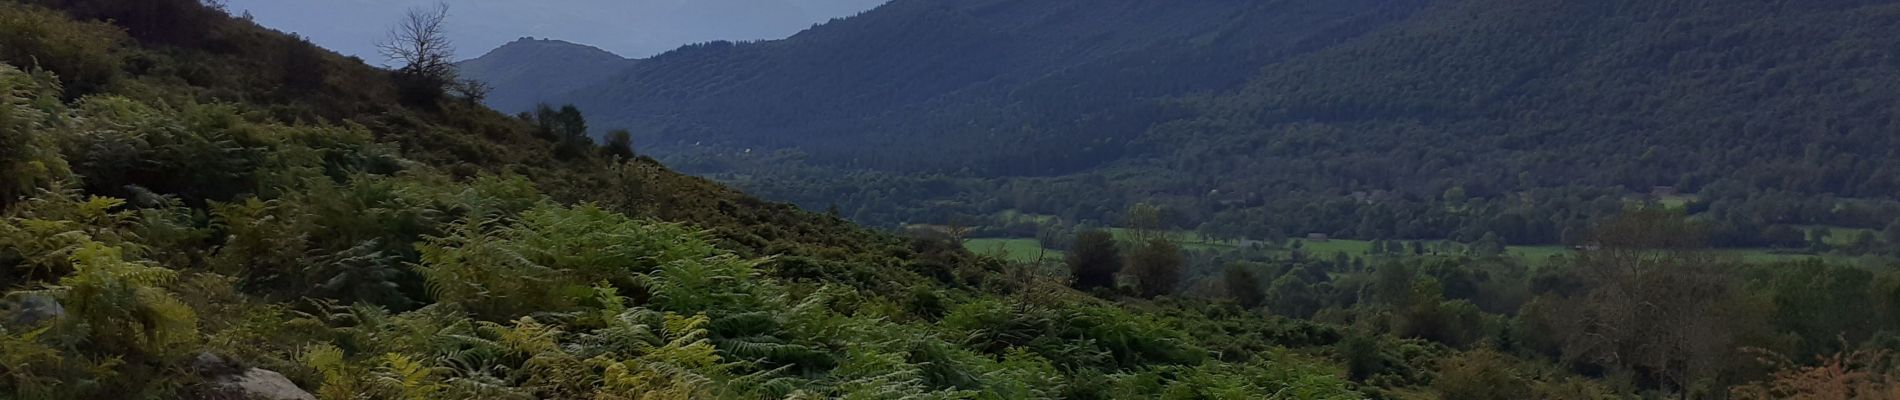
x=420 y=42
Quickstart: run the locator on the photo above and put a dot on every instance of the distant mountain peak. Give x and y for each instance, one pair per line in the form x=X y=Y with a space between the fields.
x=529 y=45
x=528 y=70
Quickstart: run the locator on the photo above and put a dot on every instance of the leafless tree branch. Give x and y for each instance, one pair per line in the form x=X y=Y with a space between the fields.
x=420 y=42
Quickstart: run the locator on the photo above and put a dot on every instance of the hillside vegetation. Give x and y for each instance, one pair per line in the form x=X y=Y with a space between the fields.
x=195 y=206
x=184 y=207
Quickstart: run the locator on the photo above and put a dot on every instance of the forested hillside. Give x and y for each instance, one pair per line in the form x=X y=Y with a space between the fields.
x=1375 y=119
x=989 y=85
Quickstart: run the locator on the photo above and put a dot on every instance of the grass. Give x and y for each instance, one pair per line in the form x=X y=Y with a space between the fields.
x=1187 y=239
x=1017 y=249
x=1014 y=215
x=1028 y=250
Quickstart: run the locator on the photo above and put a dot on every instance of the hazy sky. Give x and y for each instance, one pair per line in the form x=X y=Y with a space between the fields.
x=632 y=28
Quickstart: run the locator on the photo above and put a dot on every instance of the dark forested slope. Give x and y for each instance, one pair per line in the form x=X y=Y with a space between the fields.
x=989 y=85
x=1257 y=112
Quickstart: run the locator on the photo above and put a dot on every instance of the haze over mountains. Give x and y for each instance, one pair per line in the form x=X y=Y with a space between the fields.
x=1256 y=110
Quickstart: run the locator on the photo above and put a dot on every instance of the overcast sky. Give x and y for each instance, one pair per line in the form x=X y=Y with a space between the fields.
x=631 y=28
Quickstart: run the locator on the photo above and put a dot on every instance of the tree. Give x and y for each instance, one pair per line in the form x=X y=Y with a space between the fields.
x=1455 y=195
x=1818 y=240
x=1653 y=305
x=1784 y=236
x=1094 y=259
x=1480 y=375
x=1293 y=296
x=1145 y=220
x=620 y=144
x=1243 y=286
x=470 y=90
x=1392 y=284
x=566 y=127
x=1488 y=246
x=1155 y=267
x=1361 y=354
x=420 y=44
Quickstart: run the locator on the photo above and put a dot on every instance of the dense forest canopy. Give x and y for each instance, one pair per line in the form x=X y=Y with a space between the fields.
x=1361 y=119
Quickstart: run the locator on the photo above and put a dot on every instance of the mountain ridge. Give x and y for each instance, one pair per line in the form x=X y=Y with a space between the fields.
x=530 y=71
x=1278 y=106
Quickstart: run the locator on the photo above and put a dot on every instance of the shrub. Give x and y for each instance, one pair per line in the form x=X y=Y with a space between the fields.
x=85 y=55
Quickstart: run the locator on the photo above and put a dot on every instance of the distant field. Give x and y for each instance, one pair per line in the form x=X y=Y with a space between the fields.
x=1013 y=215
x=1026 y=249
x=1021 y=250
x=1187 y=239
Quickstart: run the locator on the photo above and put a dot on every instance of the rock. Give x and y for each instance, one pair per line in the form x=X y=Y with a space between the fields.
x=263 y=384
x=207 y=364
x=31 y=310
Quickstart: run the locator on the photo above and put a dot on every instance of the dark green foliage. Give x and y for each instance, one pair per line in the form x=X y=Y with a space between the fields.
x=1155 y=267
x=619 y=144
x=1243 y=286
x=1094 y=259
x=1293 y=296
x=1480 y=375
x=1361 y=356
x=566 y=127
x=83 y=55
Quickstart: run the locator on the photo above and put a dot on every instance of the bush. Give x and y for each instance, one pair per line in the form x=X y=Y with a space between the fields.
x=1480 y=375
x=1155 y=268
x=1094 y=260
x=84 y=54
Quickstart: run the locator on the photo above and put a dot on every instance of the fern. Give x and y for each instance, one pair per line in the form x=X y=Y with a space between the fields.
x=32 y=369
x=29 y=153
x=410 y=379
x=341 y=380
x=121 y=306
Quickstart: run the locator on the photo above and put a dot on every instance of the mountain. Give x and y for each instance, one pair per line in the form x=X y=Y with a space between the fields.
x=1295 y=116
x=531 y=71
x=989 y=85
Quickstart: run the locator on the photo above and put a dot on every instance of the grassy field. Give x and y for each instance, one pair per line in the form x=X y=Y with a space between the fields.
x=1020 y=250
x=1026 y=249
x=1187 y=239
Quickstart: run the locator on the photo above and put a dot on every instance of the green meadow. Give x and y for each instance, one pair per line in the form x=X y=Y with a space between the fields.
x=1029 y=250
